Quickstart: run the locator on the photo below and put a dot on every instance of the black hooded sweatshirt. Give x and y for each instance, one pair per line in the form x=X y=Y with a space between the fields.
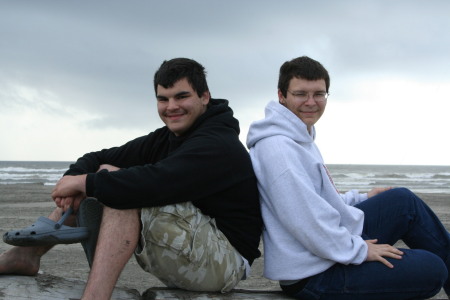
x=207 y=165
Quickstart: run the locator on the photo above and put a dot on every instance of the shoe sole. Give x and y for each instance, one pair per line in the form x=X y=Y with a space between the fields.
x=90 y=216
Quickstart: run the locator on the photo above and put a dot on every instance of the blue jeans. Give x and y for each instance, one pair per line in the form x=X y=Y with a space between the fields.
x=394 y=215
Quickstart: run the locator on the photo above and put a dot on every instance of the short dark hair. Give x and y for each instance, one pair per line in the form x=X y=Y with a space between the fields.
x=176 y=69
x=301 y=67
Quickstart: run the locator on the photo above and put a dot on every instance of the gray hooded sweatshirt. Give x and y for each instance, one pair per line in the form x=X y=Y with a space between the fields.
x=309 y=225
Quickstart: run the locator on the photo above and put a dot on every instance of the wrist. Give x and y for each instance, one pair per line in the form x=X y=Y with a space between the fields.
x=82 y=183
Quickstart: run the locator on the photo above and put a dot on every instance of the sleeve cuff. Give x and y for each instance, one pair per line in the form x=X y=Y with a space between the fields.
x=90 y=183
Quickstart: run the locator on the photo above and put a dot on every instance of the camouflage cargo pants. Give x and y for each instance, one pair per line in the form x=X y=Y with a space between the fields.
x=184 y=248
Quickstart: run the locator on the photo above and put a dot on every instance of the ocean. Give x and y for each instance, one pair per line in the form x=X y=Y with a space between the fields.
x=32 y=172
x=420 y=179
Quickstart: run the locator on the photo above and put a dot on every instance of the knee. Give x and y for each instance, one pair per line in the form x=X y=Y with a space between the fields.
x=121 y=219
x=440 y=275
x=402 y=192
x=403 y=195
x=434 y=270
x=131 y=213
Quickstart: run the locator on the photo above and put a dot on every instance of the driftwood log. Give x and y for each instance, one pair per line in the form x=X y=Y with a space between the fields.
x=237 y=294
x=48 y=287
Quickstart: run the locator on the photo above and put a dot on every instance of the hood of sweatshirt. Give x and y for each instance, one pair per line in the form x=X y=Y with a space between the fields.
x=279 y=121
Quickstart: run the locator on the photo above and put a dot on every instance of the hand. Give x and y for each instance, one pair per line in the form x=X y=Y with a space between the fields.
x=377 y=190
x=73 y=201
x=110 y=168
x=377 y=252
x=70 y=190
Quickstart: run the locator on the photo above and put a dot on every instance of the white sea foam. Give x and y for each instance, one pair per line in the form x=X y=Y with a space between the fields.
x=29 y=170
x=421 y=179
x=46 y=173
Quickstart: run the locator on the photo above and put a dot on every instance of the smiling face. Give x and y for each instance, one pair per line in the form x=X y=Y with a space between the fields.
x=179 y=106
x=308 y=111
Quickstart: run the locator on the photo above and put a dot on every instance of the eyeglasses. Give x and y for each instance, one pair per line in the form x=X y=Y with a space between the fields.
x=303 y=96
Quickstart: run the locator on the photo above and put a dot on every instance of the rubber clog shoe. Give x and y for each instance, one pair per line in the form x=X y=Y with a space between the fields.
x=45 y=232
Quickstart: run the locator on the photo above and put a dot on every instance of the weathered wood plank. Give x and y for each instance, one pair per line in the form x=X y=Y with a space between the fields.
x=172 y=294
x=158 y=293
x=48 y=287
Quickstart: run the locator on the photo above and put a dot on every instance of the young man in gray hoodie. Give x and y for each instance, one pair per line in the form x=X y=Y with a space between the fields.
x=320 y=243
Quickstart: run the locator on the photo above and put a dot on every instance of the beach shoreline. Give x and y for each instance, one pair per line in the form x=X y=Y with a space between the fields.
x=22 y=204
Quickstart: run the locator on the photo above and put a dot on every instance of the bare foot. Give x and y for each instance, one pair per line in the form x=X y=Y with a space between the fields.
x=20 y=261
x=26 y=260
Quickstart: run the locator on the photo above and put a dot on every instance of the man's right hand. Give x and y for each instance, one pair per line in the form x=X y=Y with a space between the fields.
x=72 y=201
x=69 y=191
x=64 y=200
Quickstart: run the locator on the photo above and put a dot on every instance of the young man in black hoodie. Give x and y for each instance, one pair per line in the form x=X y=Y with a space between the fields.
x=183 y=198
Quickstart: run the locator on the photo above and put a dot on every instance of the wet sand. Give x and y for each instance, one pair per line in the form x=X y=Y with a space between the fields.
x=21 y=205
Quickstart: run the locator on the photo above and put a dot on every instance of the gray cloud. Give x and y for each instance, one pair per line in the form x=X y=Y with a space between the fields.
x=100 y=56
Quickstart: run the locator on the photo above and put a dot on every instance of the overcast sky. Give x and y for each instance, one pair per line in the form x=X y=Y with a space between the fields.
x=76 y=76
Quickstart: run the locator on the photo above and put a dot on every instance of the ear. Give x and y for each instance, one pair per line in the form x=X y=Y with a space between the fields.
x=205 y=97
x=281 y=98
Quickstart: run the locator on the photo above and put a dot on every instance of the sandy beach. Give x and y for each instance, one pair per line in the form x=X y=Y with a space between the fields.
x=22 y=204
